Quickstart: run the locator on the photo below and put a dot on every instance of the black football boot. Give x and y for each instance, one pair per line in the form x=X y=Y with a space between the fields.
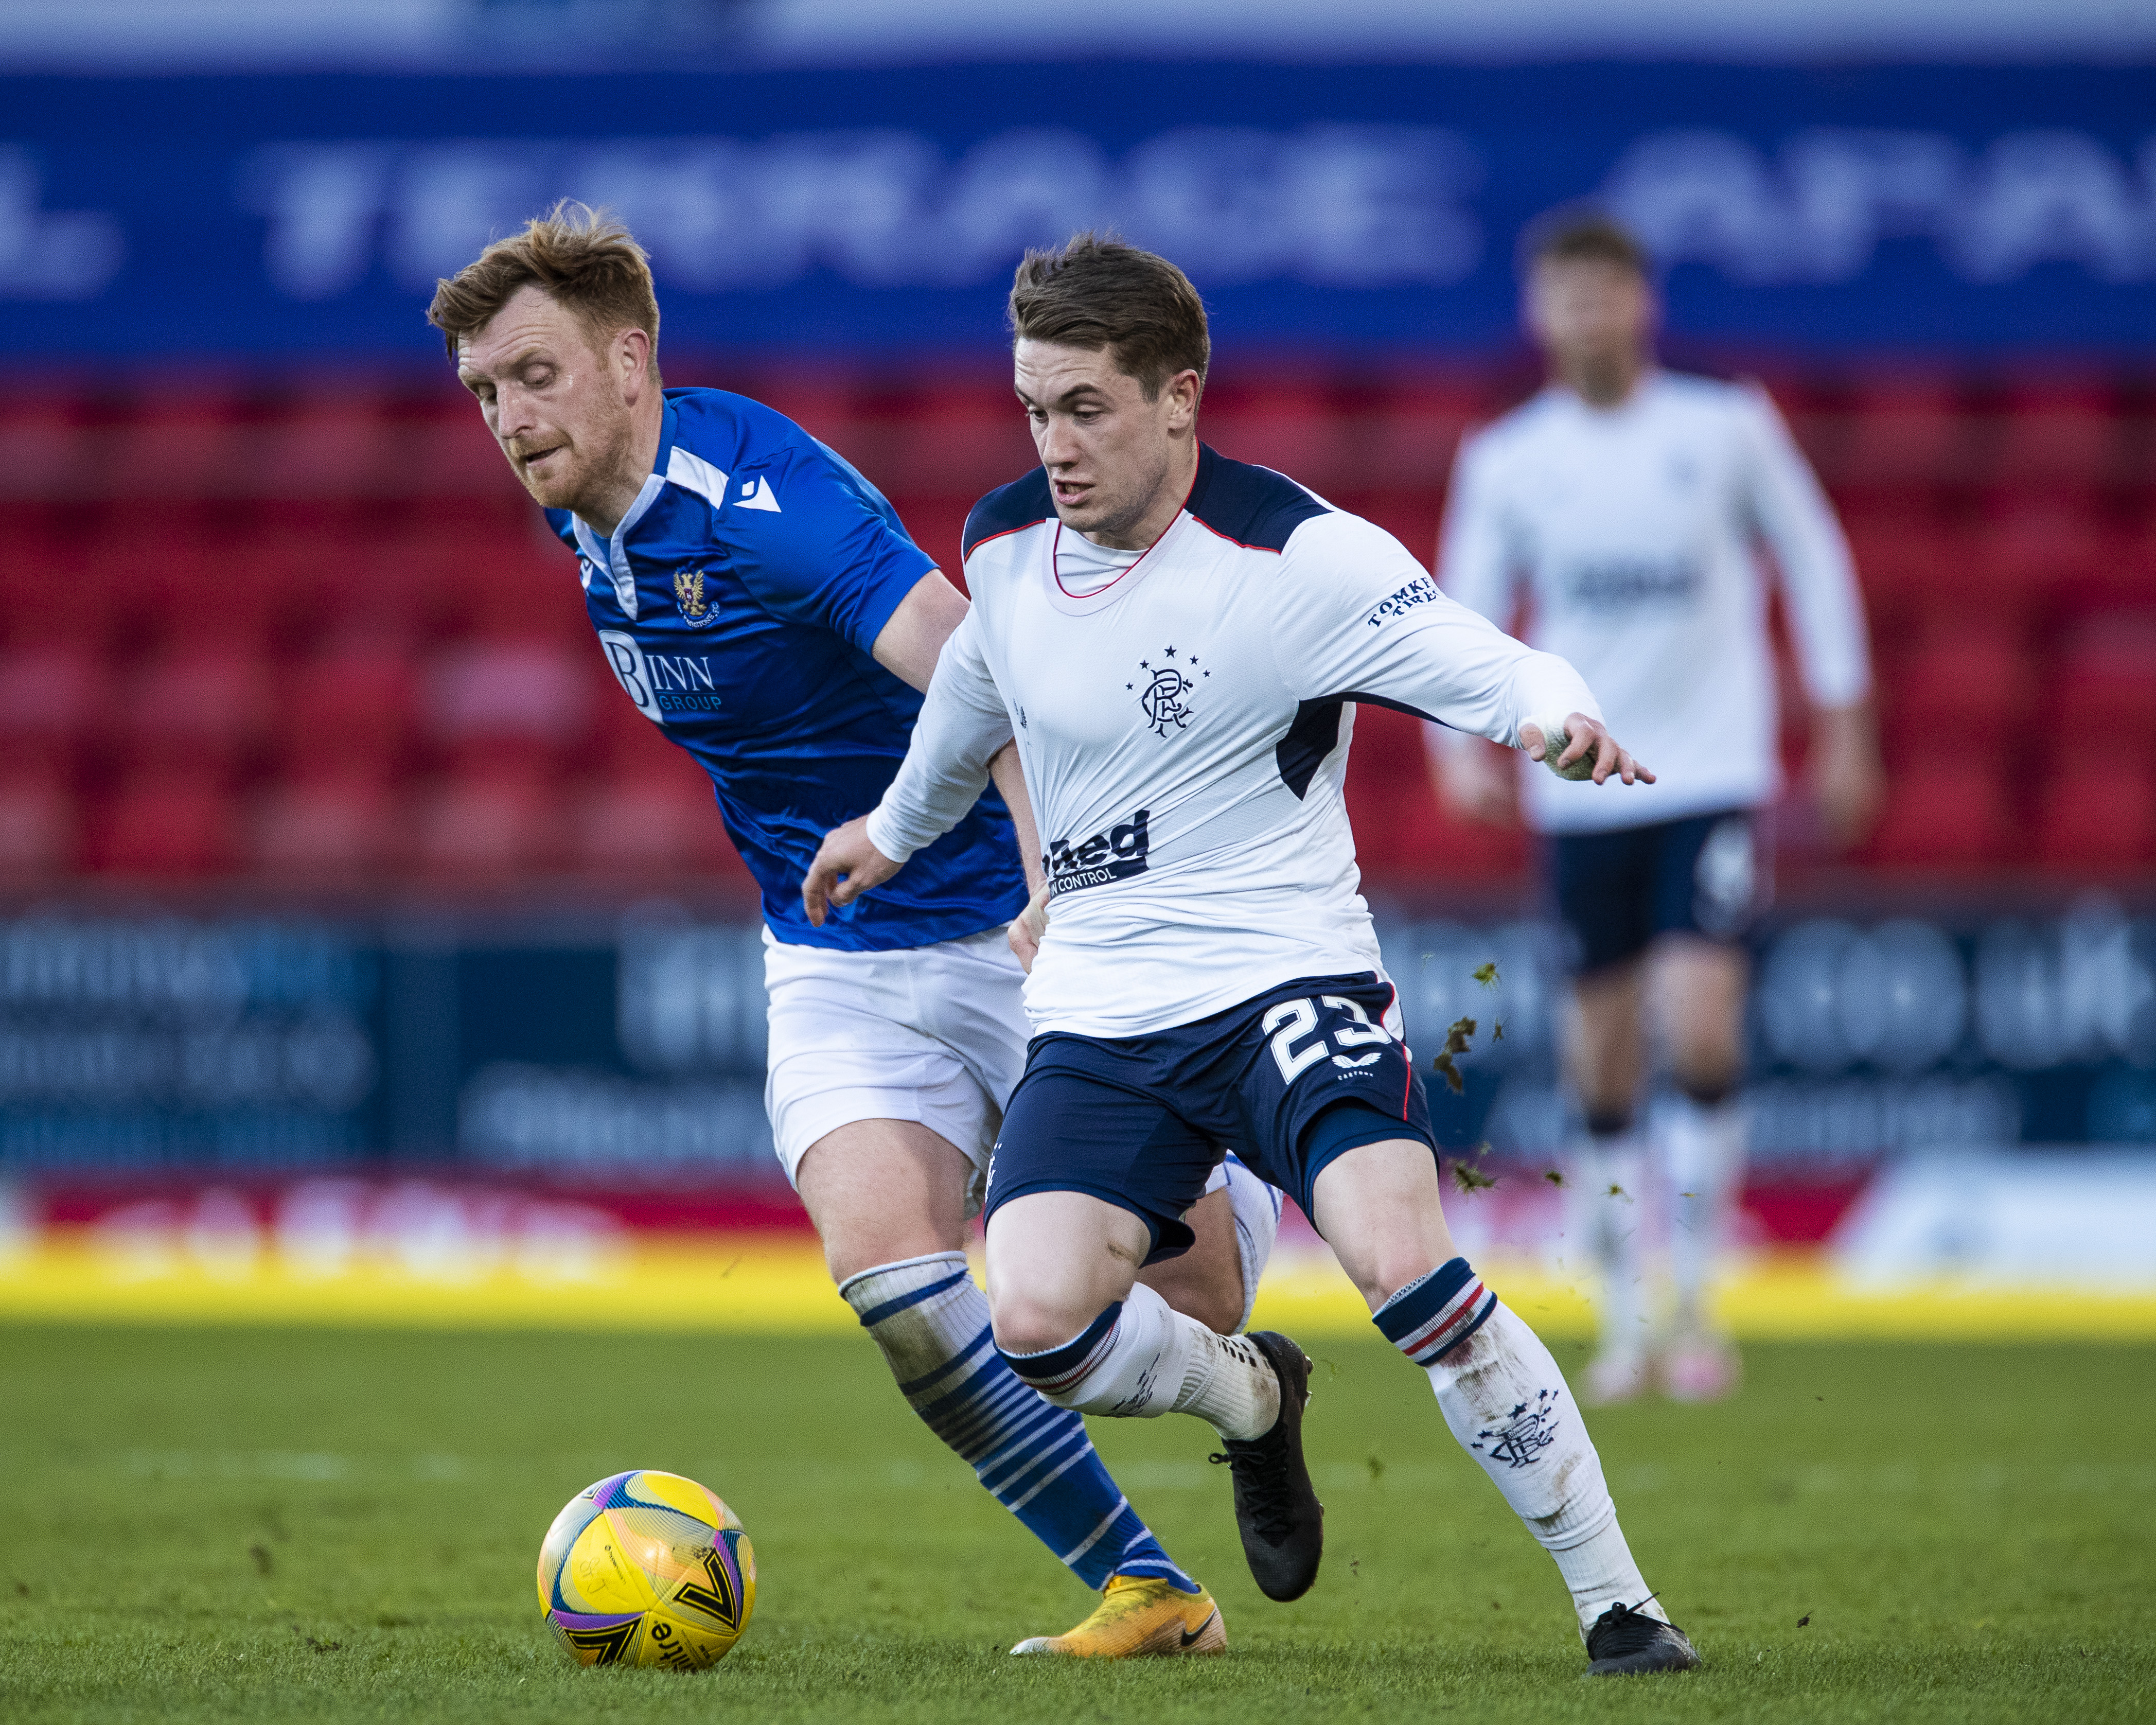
x=1282 y=1522
x=1627 y=1643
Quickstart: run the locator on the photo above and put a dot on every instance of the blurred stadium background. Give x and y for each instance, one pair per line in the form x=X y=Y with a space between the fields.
x=361 y=949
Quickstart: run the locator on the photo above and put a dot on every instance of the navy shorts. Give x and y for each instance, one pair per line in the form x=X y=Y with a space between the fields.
x=1288 y=1081
x=1617 y=892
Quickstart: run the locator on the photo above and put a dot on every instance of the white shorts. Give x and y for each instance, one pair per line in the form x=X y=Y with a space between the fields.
x=936 y=1035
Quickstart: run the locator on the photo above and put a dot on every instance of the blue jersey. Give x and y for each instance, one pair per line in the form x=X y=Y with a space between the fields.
x=736 y=604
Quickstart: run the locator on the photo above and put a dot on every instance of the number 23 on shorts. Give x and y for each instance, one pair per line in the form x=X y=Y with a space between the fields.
x=1292 y=1022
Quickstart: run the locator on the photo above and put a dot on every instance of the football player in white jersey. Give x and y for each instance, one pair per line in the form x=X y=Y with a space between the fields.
x=1624 y=502
x=1178 y=642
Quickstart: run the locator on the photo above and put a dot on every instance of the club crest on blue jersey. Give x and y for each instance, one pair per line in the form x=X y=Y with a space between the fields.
x=697 y=611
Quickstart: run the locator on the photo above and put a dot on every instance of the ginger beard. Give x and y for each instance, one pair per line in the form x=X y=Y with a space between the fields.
x=553 y=403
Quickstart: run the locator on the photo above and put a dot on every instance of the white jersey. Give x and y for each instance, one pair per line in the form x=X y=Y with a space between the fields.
x=1183 y=718
x=1631 y=529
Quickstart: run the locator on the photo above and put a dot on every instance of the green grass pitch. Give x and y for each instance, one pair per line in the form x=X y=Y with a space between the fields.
x=322 y=1525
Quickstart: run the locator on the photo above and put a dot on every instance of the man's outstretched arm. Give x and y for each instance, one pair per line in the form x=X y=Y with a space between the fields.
x=1361 y=620
x=961 y=728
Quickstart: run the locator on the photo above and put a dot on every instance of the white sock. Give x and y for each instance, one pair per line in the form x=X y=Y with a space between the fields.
x=922 y=1312
x=1257 y=1207
x=1228 y=1384
x=1144 y=1358
x=1703 y=1149
x=1508 y=1406
x=1609 y=1218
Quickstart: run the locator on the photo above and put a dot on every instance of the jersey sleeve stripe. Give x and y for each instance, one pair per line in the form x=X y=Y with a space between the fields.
x=975 y=545
x=1315 y=732
x=692 y=473
x=1009 y=508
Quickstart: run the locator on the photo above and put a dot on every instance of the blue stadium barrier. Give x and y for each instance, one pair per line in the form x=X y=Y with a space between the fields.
x=631 y=1051
x=835 y=213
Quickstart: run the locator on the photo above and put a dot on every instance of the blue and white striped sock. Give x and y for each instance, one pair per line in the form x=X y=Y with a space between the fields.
x=932 y=1322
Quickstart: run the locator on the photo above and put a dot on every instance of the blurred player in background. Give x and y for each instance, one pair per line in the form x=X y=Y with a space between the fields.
x=759 y=601
x=1623 y=504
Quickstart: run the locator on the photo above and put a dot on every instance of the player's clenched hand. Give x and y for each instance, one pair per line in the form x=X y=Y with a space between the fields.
x=846 y=866
x=1589 y=752
x=1029 y=927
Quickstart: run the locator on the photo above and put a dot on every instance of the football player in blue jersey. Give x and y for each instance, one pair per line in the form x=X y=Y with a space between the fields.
x=759 y=601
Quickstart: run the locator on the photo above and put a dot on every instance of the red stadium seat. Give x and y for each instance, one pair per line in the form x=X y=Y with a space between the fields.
x=52 y=699
x=1908 y=551
x=824 y=406
x=1406 y=437
x=629 y=746
x=503 y=702
x=305 y=561
x=1905 y=434
x=47 y=449
x=522 y=590
x=957 y=442
x=40 y=836
x=339 y=442
x=937 y=524
x=1950 y=813
x=444 y=450
x=189 y=444
x=468 y=524
x=2135 y=549
x=230 y=600
x=204 y=708
x=351 y=710
x=660 y=801
x=488 y=826
x=2105 y=684
x=654 y=824
x=1298 y=430
x=49 y=598
x=1972 y=688
x=1404 y=845
x=328 y=829
x=2095 y=816
x=374 y=587
x=172 y=823
x=2070 y=435
x=1911 y=566
x=1410 y=516
x=2034 y=552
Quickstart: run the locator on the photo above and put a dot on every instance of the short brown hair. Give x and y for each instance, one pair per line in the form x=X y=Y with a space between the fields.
x=1580 y=234
x=1095 y=291
x=581 y=257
